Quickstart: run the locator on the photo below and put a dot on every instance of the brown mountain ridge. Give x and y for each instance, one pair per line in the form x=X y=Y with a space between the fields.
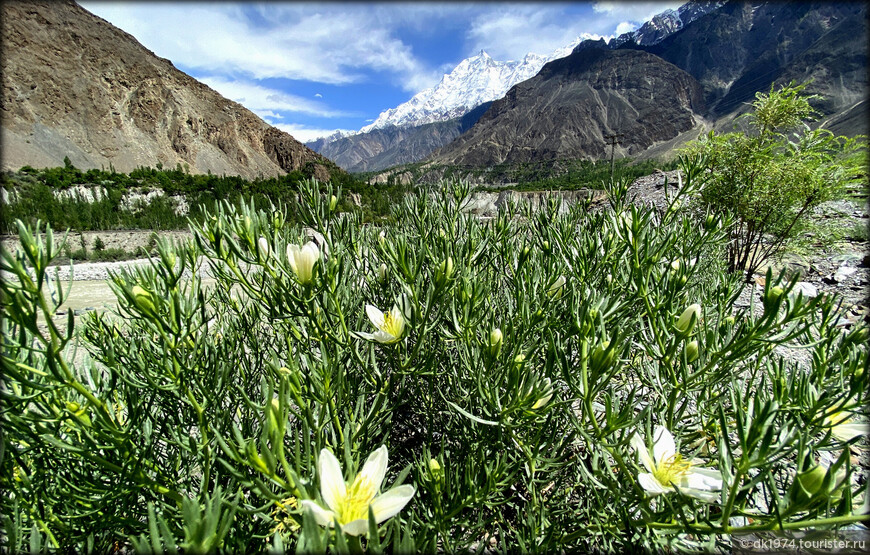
x=74 y=85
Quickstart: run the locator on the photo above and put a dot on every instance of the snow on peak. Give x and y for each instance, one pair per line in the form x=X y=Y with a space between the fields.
x=472 y=82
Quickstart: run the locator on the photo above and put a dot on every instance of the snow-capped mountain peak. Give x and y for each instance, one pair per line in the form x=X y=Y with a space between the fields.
x=481 y=79
x=668 y=22
x=472 y=82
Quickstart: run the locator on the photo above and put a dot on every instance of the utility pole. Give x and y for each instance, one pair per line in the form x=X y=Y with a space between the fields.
x=613 y=141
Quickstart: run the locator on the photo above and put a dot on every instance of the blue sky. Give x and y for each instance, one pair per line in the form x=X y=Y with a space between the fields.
x=313 y=68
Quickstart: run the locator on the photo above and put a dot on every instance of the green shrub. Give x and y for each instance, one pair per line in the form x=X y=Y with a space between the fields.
x=771 y=178
x=516 y=371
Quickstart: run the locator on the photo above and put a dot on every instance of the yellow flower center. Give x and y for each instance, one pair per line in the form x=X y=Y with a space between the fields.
x=355 y=504
x=671 y=470
x=393 y=324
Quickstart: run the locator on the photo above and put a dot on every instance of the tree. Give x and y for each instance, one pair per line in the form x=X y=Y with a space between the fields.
x=771 y=177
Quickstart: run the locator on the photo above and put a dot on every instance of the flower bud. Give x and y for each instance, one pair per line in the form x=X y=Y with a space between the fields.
x=495 y=341
x=691 y=350
x=444 y=272
x=142 y=299
x=333 y=202
x=809 y=483
x=382 y=273
x=263 y=247
x=688 y=319
x=545 y=246
x=524 y=255
x=675 y=264
x=519 y=360
x=601 y=360
x=710 y=222
x=436 y=471
x=558 y=286
x=773 y=299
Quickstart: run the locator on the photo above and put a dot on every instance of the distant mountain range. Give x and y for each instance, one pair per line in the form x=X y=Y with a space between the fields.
x=700 y=76
x=404 y=134
x=76 y=86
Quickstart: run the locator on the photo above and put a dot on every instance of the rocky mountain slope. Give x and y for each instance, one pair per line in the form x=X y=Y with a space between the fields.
x=744 y=47
x=405 y=133
x=76 y=86
x=702 y=75
x=567 y=109
x=389 y=146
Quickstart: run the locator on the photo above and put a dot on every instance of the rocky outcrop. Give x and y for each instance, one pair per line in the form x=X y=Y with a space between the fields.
x=75 y=86
x=574 y=102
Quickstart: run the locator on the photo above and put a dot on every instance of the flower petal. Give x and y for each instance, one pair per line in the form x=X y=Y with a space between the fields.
x=332 y=486
x=374 y=469
x=384 y=337
x=651 y=485
x=311 y=252
x=292 y=253
x=642 y=452
x=321 y=515
x=850 y=430
x=358 y=527
x=704 y=479
x=663 y=444
x=706 y=496
x=375 y=315
x=390 y=503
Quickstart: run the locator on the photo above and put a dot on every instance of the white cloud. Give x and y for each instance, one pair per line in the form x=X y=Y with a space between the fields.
x=266 y=101
x=326 y=43
x=516 y=29
x=318 y=95
x=304 y=133
x=267 y=114
x=636 y=12
x=625 y=27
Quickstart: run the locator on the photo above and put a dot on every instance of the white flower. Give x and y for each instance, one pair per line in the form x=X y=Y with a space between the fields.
x=349 y=503
x=844 y=427
x=390 y=326
x=302 y=260
x=667 y=469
